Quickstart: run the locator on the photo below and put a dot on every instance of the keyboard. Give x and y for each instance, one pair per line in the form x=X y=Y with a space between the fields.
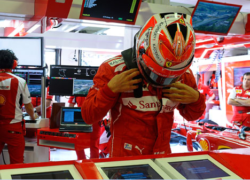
x=75 y=129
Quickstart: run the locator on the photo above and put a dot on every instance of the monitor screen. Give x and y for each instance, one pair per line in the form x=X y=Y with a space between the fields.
x=122 y=11
x=81 y=87
x=71 y=115
x=31 y=76
x=131 y=172
x=35 y=90
x=198 y=169
x=28 y=50
x=238 y=75
x=213 y=17
x=44 y=175
x=71 y=80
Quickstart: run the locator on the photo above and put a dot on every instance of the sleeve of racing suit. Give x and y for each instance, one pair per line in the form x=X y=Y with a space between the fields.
x=194 y=110
x=100 y=98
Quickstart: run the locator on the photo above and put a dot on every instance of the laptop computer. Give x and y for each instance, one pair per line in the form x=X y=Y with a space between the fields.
x=71 y=120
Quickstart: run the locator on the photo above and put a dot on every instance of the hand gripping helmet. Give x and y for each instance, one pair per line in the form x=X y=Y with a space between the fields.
x=165 y=48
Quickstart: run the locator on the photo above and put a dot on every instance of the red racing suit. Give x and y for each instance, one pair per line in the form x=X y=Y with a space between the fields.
x=13 y=92
x=240 y=112
x=95 y=135
x=139 y=126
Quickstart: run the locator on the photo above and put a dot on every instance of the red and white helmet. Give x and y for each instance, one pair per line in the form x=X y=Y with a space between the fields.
x=165 y=48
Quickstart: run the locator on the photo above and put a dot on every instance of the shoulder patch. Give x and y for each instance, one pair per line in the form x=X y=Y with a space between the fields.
x=116 y=62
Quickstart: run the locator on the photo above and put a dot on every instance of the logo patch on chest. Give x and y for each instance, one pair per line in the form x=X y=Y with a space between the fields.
x=128 y=146
x=5 y=84
x=168 y=105
x=238 y=91
x=2 y=99
x=147 y=103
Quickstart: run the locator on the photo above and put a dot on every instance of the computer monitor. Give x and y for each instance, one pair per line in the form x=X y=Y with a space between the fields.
x=81 y=86
x=33 y=77
x=71 y=80
x=195 y=167
x=28 y=50
x=35 y=90
x=43 y=172
x=132 y=169
x=71 y=121
x=212 y=17
x=30 y=75
x=122 y=11
x=71 y=116
x=238 y=73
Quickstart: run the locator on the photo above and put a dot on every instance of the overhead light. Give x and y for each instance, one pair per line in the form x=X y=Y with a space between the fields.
x=4 y=23
x=223 y=47
x=105 y=50
x=17 y=30
x=33 y=28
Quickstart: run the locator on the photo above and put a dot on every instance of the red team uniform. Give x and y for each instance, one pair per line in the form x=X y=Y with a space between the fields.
x=240 y=112
x=36 y=101
x=139 y=126
x=205 y=90
x=13 y=92
x=95 y=135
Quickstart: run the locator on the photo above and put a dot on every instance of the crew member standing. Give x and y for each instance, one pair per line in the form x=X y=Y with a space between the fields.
x=206 y=91
x=36 y=102
x=239 y=98
x=95 y=135
x=13 y=93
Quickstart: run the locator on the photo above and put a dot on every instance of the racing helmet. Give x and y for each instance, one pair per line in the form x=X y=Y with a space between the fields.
x=164 y=48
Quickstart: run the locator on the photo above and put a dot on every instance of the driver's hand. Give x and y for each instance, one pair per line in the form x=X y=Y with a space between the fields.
x=181 y=93
x=124 y=81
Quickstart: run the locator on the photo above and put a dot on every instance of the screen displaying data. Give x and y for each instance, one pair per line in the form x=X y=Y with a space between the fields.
x=71 y=115
x=71 y=80
x=35 y=90
x=211 y=17
x=122 y=10
x=131 y=172
x=198 y=169
x=46 y=175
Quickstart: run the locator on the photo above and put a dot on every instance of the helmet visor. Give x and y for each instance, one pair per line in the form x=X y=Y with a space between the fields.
x=153 y=78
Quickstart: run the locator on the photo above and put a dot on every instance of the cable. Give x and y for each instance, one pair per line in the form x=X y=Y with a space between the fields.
x=3 y=158
x=187 y=9
x=185 y=125
x=243 y=19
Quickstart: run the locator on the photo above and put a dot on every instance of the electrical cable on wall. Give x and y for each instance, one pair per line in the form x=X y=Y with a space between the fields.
x=3 y=158
x=213 y=60
x=220 y=53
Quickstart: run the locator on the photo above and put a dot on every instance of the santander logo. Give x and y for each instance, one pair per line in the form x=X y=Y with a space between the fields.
x=149 y=103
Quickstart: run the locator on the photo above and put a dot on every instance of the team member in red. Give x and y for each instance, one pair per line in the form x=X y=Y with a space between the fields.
x=163 y=52
x=13 y=92
x=95 y=135
x=239 y=98
x=36 y=102
x=205 y=90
